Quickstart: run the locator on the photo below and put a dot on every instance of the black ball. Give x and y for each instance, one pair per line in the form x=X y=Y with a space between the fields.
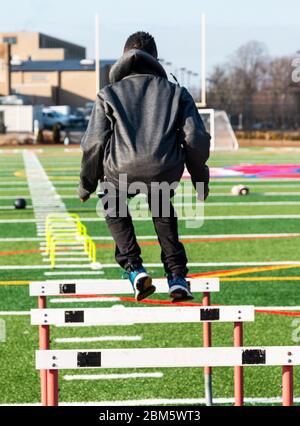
x=20 y=204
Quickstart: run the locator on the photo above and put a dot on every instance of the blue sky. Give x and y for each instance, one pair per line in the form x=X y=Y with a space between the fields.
x=174 y=23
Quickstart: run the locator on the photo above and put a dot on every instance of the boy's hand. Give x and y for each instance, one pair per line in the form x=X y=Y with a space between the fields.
x=84 y=199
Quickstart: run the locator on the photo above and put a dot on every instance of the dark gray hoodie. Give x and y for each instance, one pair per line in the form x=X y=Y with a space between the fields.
x=144 y=126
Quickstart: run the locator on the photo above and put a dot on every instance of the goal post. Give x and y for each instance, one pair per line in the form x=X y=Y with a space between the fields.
x=217 y=123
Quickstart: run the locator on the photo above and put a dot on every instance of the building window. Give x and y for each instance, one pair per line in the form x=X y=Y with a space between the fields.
x=39 y=78
x=10 y=40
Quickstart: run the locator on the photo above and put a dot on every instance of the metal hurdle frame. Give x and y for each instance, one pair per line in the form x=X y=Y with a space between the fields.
x=153 y=315
x=42 y=289
x=285 y=356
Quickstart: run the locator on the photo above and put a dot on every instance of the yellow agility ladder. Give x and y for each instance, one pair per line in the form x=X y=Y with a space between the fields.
x=64 y=229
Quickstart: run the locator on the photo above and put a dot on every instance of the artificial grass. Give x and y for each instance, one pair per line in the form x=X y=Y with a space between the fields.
x=18 y=379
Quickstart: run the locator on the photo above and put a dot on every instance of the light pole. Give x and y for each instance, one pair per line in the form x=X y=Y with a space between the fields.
x=189 y=73
x=97 y=53
x=183 y=70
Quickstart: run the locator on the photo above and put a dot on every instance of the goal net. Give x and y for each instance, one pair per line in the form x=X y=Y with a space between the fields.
x=218 y=125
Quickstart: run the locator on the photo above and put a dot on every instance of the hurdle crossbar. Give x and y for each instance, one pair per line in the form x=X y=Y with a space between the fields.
x=167 y=357
x=153 y=315
x=103 y=287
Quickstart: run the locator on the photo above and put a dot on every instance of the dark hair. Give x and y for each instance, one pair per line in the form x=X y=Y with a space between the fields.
x=142 y=41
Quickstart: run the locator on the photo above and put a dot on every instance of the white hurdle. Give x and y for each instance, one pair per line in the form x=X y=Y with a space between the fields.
x=49 y=362
x=111 y=287
x=121 y=315
x=285 y=356
x=168 y=357
x=81 y=287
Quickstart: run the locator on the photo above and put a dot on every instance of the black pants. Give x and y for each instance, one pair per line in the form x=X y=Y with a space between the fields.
x=128 y=252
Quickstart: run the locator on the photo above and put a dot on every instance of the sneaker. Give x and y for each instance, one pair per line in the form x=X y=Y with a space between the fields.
x=141 y=282
x=179 y=288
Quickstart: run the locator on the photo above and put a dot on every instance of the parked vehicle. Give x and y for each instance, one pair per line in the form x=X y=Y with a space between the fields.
x=51 y=118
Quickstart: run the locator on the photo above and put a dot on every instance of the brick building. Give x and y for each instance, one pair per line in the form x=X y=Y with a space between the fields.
x=49 y=71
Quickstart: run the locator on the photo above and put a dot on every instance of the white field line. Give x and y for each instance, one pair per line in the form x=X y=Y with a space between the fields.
x=42 y=191
x=14 y=267
x=45 y=198
x=221 y=194
x=13 y=208
x=13 y=197
x=154 y=237
x=113 y=376
x=219 y=236
x=85 y=300
x=14 y=313
x=13 y=184
x=159 y=402
x=215 y=181
x=189 y=218
x=217 y=204
x=16 y=240
x=257 y=187
x=250 y=203
x=243 y=180
x=150 y=265
x=229 y=204
x=12 y=189
x=265 y=194
x=82 y=261
x=98 y=339
x=189 y=185
x=81 y=273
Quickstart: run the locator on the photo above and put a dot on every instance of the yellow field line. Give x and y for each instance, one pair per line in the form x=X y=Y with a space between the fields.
x=63 y=177
x=14 y=282
x=254 y=269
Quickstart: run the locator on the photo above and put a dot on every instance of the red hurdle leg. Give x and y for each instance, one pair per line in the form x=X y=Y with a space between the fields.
x=287 y=386
x=207 y=342
x=43 y=345
x=52 y=388
x=238 y=371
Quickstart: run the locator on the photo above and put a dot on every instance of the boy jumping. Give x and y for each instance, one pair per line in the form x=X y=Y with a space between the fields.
x=149 y=129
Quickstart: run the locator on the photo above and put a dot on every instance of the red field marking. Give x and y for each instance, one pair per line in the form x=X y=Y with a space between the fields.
x=281 y=313
x=11 y=253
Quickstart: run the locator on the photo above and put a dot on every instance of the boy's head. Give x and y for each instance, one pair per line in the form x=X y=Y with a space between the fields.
x=142 y=41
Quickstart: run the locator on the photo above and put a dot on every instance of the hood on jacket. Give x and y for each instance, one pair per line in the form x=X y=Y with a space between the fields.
x=135 y=62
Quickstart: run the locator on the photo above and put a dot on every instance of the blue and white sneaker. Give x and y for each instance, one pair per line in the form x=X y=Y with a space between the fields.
x=141 y=282
x=179 y=288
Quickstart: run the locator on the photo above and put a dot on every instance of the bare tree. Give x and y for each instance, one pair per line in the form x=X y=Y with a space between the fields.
x=248 y=67
x=282 y=100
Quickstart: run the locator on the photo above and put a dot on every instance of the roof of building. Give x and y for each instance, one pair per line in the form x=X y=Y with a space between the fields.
x=66 y=65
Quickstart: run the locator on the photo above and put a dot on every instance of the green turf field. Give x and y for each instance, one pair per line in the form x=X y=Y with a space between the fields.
x=243 y=240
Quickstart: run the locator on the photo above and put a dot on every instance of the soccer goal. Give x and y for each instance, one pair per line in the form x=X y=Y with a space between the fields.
x=217 y=123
